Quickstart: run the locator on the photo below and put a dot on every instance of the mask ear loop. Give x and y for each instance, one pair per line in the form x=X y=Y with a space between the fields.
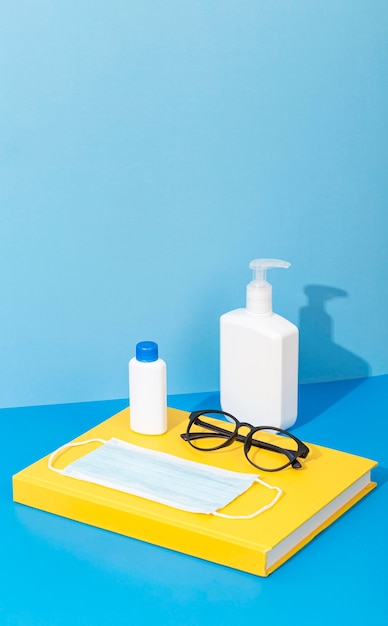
x=64 y=447
x=261 y=510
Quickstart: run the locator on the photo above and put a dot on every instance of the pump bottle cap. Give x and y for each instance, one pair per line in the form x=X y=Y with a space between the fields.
x=259 y=292
x=147 y=351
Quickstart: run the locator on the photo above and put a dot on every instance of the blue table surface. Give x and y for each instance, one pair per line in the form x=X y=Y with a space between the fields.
x=57 y=572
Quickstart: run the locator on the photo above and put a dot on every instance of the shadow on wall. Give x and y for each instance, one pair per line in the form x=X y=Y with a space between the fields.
x=320 y=358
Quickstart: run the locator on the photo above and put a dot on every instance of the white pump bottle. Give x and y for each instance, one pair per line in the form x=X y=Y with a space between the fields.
x=259 y=357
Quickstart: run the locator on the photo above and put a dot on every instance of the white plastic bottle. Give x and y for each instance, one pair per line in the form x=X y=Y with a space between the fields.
x=148 y=390
x=259 y=357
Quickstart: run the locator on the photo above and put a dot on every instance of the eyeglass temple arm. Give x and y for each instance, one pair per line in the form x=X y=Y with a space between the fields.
x=192 y=436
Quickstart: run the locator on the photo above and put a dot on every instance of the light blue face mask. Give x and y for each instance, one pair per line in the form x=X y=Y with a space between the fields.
x=161 y=477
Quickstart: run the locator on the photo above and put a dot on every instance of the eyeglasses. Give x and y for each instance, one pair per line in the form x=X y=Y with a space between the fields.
x=263 y=445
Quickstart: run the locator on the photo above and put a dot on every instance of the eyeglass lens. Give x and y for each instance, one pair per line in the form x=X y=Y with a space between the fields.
x=266 y=449
x=209 y=431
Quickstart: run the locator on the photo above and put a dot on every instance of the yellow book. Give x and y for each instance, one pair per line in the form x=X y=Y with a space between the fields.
x=329 y=483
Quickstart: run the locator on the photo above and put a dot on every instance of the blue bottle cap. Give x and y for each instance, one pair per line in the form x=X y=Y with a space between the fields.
x=147 y=351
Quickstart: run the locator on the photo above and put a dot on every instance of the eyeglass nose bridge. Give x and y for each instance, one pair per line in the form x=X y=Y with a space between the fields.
x=242 y=436
x=244 y=425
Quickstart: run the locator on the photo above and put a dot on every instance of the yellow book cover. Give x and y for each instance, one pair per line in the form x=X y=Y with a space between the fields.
x=329 y=483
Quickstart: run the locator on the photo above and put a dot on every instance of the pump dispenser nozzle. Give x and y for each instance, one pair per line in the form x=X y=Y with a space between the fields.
x=259 y=292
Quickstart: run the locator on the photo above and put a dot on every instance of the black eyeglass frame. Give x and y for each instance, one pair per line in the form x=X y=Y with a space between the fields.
x=247 y=440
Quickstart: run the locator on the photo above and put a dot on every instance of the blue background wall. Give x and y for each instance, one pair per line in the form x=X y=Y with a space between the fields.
x=151 y=149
